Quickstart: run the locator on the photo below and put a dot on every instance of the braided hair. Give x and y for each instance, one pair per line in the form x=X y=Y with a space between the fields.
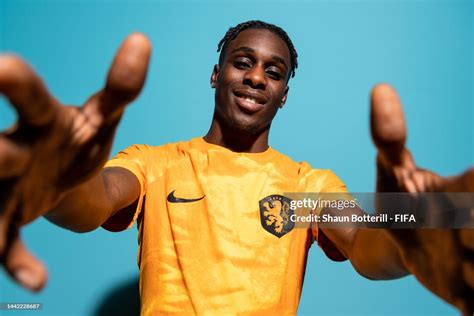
x=232 y=33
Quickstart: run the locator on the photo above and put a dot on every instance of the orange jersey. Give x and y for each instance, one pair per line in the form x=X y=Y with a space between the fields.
x=212 y=237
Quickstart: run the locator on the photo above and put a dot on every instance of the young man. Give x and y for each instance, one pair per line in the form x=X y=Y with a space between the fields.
x=203 y=205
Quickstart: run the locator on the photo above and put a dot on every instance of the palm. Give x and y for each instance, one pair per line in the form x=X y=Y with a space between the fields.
x=62 y=153
x=55 y=147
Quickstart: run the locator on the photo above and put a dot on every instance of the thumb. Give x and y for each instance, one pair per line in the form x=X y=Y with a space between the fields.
x=125 y=78
x=387 y=122
x=128 y=71
x=23 y=267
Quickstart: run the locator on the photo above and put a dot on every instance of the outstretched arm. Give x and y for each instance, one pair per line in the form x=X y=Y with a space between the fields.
x=440 y=259
x=92 y=203
x=51 y=160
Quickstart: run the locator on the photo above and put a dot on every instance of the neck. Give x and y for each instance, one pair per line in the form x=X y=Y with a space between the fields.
x=237 y=140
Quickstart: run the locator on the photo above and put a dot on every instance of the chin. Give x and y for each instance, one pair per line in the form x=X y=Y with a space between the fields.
x=247 y=128
x=238 y=122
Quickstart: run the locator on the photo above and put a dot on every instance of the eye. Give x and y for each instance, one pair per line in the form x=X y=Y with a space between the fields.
x=242 y=63
x=274 y=74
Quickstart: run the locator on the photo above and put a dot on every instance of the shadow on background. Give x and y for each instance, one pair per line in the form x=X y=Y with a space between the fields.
x=122 y=300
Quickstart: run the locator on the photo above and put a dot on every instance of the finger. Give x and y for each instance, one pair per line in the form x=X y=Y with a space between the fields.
x=125 y=79
x=129 y=68
x=433 y=181
x=468 y=273
x=13 y=158
x=4 y=228
x=9 y=219
x=405 y=182
x=418 y=179
x=24 y=268
x=409 y=186
x=26 y=91
x=468 y=180
x=466 y=237
x=465 y=305
x=387 y=121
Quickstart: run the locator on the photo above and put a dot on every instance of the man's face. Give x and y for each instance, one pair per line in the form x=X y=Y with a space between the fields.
x=251 y=80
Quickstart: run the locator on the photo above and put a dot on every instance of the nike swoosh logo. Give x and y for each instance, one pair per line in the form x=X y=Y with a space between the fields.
x=173 y=199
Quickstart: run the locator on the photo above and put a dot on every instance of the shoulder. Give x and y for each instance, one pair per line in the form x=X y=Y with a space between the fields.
x=153 y=151
x=145 y=156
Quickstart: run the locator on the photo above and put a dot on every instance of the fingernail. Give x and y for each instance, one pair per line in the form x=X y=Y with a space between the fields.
x=27 y=279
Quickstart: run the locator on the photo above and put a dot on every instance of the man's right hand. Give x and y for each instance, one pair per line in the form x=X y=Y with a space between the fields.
x=53 y=148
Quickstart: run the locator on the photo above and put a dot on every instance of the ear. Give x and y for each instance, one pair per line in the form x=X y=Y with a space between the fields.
x=214 y=75
x=284 y=97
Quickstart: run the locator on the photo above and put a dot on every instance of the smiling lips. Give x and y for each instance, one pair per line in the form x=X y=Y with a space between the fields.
x=249 y=101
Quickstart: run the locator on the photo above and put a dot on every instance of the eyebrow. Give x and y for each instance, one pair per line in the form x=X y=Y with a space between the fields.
x=246 y=49
x=243 y=49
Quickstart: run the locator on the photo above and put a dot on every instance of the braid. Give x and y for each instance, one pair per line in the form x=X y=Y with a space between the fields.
x=232 y=33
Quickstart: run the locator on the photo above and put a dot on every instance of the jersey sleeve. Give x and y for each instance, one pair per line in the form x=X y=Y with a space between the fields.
x=134 y=159
x=325 y=181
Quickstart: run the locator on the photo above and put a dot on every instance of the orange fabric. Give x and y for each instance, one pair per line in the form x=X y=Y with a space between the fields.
x=213 y=256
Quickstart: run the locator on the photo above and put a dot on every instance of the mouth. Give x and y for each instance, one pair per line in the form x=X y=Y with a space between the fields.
x=249 y=101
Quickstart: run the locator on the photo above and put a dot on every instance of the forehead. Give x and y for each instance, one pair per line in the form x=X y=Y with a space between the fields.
x=263 y=41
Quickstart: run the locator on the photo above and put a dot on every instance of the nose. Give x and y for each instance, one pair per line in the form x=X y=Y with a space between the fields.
x=255 y=77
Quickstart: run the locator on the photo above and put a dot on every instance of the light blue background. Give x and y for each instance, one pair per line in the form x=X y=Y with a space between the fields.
x=423 y=48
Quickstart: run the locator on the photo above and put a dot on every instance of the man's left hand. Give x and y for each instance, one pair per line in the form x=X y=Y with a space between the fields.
x=441 y=259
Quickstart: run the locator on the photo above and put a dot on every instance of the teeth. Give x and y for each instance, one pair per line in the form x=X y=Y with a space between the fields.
x=251 y=100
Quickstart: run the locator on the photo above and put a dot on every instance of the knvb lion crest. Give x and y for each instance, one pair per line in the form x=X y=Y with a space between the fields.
x=275 y=215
